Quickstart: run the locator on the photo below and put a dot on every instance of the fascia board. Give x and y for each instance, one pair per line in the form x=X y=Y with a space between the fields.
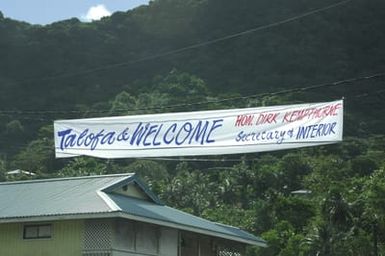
x=97 y=215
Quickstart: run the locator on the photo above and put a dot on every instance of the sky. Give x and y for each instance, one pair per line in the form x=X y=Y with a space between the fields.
x=47 y=11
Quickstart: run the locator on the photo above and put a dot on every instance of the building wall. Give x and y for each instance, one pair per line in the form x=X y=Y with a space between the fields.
x=168 y=242
x=67 y=237
x=206 y=246
x=132 y=238
x=137 y=238
x=189 y=244
x=193 y=244
x=112 y=237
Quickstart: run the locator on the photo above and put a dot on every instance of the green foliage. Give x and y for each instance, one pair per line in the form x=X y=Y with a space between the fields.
x=182 y=87
x=83 y=166
x=374 y=190
x=190 y=190
x=231 y=215
x=117 y=66
x=14 y=128
x=277 y=240
x=154 y=174
x=296 y=210
x=38 y=155
x=2 y=169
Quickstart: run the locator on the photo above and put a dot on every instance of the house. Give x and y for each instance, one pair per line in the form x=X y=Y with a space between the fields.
x=108 y=215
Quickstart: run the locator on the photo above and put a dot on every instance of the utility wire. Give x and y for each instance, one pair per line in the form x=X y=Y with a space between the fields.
x=183 y=159
x=378 y=92
x=189 y=47
x=344 y=82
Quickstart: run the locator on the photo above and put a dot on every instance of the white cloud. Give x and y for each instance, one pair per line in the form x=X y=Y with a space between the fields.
x=96 y=13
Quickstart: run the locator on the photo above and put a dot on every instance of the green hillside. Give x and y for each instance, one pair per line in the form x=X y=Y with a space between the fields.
x=188 y=55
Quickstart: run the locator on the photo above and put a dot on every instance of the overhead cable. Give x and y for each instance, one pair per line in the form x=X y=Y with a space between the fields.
x=189 y=47
x=343 y=82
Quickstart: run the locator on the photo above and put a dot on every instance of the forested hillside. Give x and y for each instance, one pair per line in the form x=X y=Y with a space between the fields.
x=188 y=55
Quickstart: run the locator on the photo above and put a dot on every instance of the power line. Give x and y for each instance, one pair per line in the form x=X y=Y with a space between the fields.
x=183 y=159
x=344 y=82
x=378 y=92
x=299 y=89
x=189 y=47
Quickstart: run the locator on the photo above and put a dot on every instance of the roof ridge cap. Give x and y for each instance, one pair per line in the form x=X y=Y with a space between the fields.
x=67 y=178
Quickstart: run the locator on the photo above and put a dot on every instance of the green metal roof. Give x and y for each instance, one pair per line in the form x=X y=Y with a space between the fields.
x=93 y=197
x=168 y=215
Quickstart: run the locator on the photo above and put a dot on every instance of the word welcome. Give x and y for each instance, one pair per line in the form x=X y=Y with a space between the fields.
x=144 y=134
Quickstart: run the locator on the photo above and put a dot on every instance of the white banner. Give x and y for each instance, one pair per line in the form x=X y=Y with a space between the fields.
x=202 y=133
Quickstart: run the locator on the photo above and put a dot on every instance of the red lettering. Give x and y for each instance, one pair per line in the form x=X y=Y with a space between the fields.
x=273 y=118
x=239 y=120
x=267 y=118
x=308 y=113
x=286 y=117
x=243 y=120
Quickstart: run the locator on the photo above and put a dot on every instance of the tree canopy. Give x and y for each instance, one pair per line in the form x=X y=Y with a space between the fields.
x=179 y=55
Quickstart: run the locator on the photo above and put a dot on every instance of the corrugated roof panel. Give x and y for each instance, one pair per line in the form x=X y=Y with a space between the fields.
x=55 y=196
x=163 y=213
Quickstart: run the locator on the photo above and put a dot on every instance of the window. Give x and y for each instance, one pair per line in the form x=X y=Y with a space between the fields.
x=37 y=231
